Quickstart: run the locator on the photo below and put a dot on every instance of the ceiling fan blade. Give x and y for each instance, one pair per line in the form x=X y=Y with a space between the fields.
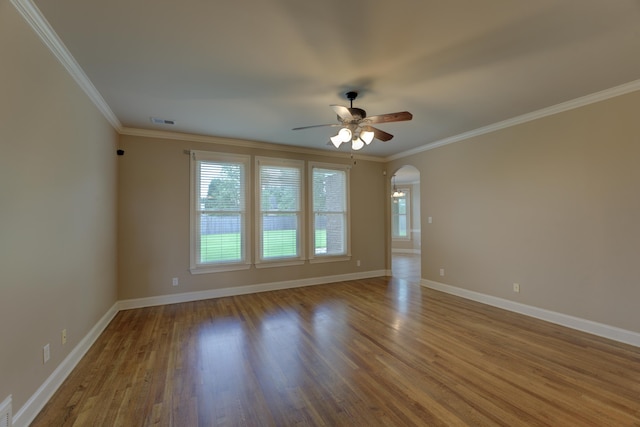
x=391 y=117
x=342 y=112
x=380 y=134
x=318 y=126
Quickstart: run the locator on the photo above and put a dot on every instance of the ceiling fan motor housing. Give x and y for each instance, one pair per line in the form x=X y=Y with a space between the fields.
x=357 y=113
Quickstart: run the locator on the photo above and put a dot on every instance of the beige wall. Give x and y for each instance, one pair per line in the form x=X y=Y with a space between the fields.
x=552 y=204
x=153 y=216
x=57 y=210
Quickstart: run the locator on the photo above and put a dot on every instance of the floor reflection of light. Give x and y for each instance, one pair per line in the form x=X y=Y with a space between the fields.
x=404 y=294
x=331 y=339
x=402 y=297
x=280 y=341
x=327 y=323
x=222 y=355
x=399 y=291
x=397 y=323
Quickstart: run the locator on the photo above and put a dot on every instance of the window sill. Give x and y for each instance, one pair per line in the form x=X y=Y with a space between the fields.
x=219 y=269
x=337 y=258
x=267 y=264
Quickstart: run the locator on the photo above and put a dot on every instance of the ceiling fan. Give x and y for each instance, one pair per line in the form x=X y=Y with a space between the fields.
x=356 y=126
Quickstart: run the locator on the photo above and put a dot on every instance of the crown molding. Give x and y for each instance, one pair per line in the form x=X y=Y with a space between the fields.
x=603 y=95
x=43 y=29
x=178 y=136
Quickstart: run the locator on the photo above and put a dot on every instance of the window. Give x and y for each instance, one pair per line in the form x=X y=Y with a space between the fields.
x=235 y=224
x=329 y=204
x=219 y=238
x=280 y=218
x=400 y=215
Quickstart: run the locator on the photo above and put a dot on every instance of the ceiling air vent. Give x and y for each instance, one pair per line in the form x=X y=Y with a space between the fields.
x=157 y=121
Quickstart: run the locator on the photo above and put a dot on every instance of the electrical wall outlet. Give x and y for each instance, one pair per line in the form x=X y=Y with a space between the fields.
x=358 y=263
x=64 y=336
x=175 y=282
x=516 y=287
x=46 y=353
x=442 y=272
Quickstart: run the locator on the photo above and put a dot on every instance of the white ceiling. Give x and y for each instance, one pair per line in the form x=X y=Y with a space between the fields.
x=254 y=69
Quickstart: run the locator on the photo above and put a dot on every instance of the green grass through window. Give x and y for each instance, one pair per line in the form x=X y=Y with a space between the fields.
x=228 y=247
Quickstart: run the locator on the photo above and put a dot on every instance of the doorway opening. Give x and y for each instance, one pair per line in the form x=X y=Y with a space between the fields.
x=406 y=236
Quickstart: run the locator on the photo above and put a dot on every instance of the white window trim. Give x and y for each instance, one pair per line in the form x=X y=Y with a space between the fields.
x=302 y=224
x=319 y=259
x=407 y=196
x=313 y=258
x=245 y=263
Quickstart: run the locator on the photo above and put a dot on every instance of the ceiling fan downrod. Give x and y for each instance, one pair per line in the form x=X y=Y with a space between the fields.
x=351 y=95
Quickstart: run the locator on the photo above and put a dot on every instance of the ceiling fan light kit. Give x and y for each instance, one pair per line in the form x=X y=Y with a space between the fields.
x=356 y=127
x=396 y=194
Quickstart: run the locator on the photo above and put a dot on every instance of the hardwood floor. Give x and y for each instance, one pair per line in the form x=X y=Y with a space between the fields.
x=406 y=266
x=377 y=352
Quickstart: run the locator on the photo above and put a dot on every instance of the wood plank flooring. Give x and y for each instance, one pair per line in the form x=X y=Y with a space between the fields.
x=406 y=266
x=376 y=352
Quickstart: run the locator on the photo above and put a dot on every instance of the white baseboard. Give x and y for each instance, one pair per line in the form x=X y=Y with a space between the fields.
x=595 y=328
x=242 y=290
x=36 y=402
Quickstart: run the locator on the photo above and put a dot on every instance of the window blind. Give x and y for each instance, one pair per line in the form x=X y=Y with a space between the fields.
x=280 y=222
x=219 y=209
x=329 y=211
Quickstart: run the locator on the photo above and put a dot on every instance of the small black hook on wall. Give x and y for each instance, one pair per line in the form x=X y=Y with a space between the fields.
x=120 y=152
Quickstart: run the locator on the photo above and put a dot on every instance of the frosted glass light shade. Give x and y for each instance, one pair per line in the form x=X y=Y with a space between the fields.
x=366 y=136
x=336 y=140
x=357 y=144
x=345 y=134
